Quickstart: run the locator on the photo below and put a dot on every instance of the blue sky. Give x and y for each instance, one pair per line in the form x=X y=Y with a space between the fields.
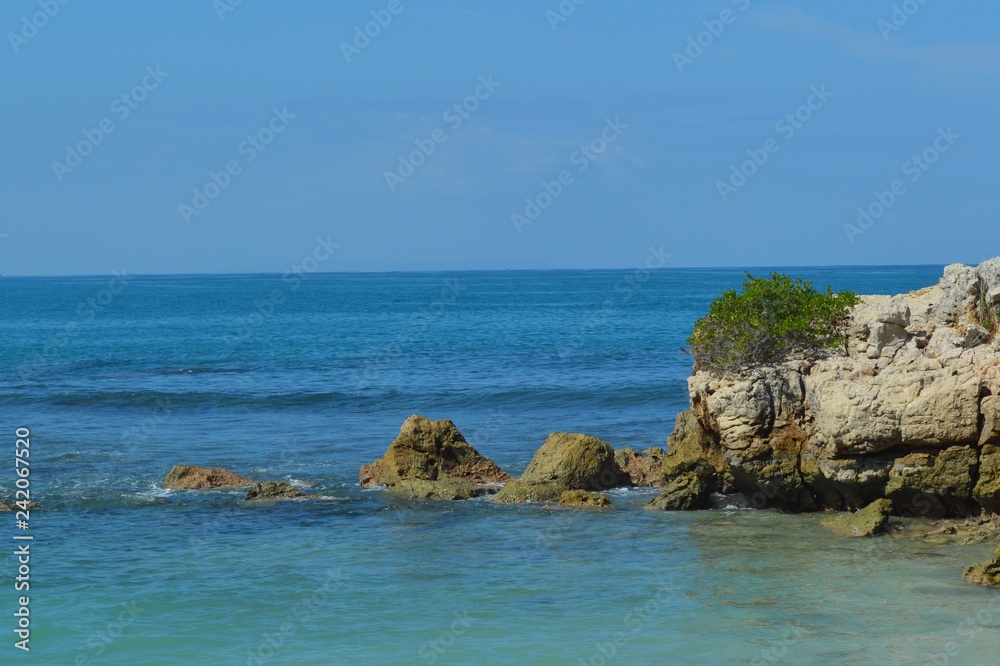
x=201 y=77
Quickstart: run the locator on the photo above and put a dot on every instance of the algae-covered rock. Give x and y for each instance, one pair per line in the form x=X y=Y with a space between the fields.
x=687 y=491
x=869 y=521
x=441 y=489
x=575 y=462
x=987 y=490
x=192 y=477
x=985 y=573
x=519 y=492
x=273 y=490
x=431 y=452
x=584 y=499
x=565 y=462
x=641 y=469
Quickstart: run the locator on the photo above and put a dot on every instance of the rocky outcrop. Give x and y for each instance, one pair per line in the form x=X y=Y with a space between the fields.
x=565 y=462
x=430 y=452
x=269 y=490
x=985 y=573
x=192 y=477
x=908 y=411
x=869 y=521
x=641 y=469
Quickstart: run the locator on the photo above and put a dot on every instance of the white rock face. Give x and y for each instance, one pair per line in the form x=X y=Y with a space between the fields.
x=912 y=400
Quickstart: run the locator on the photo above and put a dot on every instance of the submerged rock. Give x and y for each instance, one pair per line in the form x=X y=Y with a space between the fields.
x=584 y=499
x=442 y=489
x=518 y=492
x=12 y=506
x=432 y=452
x=192 y=477
x=908 y=410
x=641 y=469
x=273 y=490
x=985 y=573
x=869 y=521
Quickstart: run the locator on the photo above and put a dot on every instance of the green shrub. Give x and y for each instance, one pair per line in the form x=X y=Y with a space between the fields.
x=987 y=314
x=772 y=319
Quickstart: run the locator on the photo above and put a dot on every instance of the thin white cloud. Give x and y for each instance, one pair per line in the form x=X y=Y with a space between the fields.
x=955 y=62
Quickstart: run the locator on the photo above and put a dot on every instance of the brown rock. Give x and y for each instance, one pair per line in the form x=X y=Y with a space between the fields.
x=374 y=475
x=431 y=450
x=944 y=530
x=642 y=469
x=192 y=477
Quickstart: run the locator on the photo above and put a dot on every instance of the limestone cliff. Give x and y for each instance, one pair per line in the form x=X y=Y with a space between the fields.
x=908 y=411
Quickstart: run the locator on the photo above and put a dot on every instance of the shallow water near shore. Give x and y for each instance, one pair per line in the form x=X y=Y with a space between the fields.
x=179 y=370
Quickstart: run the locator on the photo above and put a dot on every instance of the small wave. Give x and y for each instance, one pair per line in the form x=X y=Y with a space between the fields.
x=157 y=491
x=734 y=502
x=299 y=483
x=632 y=490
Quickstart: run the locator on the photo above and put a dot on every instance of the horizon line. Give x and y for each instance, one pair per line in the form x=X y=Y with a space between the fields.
x=481 y=270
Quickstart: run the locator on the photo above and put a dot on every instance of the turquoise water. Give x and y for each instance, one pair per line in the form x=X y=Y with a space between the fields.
x=315 y=381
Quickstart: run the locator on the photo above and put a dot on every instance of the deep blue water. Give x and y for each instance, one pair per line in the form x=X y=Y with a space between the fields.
x=310 y=380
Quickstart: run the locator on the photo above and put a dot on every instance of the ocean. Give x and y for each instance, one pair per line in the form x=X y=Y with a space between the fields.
x=306 y=379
